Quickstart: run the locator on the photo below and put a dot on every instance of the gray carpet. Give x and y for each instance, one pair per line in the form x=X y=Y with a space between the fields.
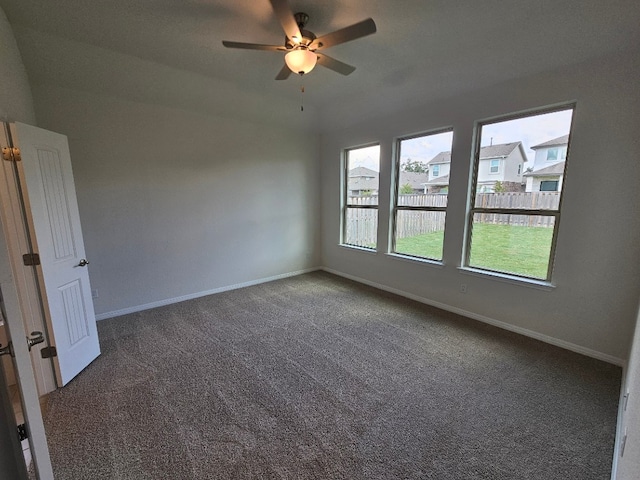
x=317 y=377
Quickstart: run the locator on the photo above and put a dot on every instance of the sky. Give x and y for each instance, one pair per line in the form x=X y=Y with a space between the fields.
x=531 y=131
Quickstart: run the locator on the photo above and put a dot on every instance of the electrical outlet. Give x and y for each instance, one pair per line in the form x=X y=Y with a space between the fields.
x=94 y=293
x=463 y=288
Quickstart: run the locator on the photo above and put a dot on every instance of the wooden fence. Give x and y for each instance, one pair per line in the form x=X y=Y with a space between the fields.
x=529 y=200
x=362 y=224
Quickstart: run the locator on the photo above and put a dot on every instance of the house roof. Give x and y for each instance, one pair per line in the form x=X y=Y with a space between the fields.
x=363 y=172
x=551 y=171
x=362 y=183
x=442 y=157
x=490 y=151
x=563 y=140
x=444 y=180
x=416 y=180
x=500 y=150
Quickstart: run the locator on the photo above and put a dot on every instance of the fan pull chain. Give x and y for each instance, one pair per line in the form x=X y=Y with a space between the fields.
x=302 y=98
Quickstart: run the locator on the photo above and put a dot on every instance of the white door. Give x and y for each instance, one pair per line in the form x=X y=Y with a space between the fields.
x=49 y=195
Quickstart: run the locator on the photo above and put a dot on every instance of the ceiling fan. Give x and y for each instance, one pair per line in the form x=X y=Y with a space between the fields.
x=302 y=46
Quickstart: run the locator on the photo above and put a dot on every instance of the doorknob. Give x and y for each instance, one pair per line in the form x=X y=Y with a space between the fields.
x=35 y=339
x=83 y=262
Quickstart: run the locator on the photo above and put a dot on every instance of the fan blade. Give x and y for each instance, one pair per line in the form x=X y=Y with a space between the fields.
x=346 y=34
x=287 y=20
x=252 y=46
x=284 y=73
x=335 y=65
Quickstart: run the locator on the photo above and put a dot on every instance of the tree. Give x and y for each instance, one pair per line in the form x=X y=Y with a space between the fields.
x=498 y=187
x=406 y=189
x=414 y=166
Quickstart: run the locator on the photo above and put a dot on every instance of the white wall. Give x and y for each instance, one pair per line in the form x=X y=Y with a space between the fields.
x=511 y=166
x=596 y=271
x=176 y=202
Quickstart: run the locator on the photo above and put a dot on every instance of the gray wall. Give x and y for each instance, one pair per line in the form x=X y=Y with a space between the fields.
x=593 y=307
x=175 y=203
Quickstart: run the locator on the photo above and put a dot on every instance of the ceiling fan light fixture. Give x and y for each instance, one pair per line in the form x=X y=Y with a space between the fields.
x=301 y=61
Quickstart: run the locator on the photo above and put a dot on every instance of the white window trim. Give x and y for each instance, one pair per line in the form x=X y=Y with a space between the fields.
x=396 y=208
x=345 y=204
x=543 y=283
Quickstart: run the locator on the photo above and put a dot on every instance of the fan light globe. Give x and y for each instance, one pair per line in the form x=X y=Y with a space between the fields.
x=301 y=61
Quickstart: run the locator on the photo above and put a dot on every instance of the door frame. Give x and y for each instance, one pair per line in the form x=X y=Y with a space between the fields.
x=22 y=361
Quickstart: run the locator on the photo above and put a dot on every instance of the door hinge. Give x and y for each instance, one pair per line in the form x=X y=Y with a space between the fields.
x=31 y=259
x=22 y=432
x=48 y=352
x=11 y=154
x=8 y=350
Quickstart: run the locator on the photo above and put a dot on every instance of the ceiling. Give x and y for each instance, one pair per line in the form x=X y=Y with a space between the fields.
x=430 y=48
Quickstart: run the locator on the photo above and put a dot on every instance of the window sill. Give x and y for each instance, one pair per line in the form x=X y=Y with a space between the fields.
x=360 y=249
x=506 y=278
x=409 y=258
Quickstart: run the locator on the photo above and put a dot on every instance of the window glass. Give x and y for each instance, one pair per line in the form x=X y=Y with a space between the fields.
x=360 y=205
x=549 y=186
x=513 y=216
x=423 y=163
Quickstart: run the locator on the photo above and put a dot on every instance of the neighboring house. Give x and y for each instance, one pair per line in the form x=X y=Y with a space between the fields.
x=364 y=181
x=547 y=172
x=498 y=163
x=417 y=181
x=439 y=167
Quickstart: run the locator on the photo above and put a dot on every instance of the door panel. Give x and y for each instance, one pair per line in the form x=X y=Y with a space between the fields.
x=49 y=194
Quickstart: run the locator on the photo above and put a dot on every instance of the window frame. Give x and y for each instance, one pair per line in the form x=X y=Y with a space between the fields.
x=491 y=161
x=555 y=182
x=473 y=187
x=345 y=198
x=395 y=192
x=436 y=168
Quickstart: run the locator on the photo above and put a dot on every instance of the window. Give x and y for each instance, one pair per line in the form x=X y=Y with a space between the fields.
x=360 y=200
x=495 y=166
x=519 y=169
x=549 y=186
x=418 y=219
x=552 y=154
x=513 y=231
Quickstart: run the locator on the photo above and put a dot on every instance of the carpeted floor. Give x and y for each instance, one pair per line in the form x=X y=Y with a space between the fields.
x=317 y=377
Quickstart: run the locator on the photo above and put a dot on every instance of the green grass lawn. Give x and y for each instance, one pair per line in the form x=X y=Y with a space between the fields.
x=503 y=248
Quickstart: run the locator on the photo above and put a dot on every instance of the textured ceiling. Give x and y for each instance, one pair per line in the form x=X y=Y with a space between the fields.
x=427 y=48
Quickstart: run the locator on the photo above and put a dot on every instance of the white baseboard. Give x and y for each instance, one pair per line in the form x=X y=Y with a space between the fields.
x=497 y=323
x=191 y=296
